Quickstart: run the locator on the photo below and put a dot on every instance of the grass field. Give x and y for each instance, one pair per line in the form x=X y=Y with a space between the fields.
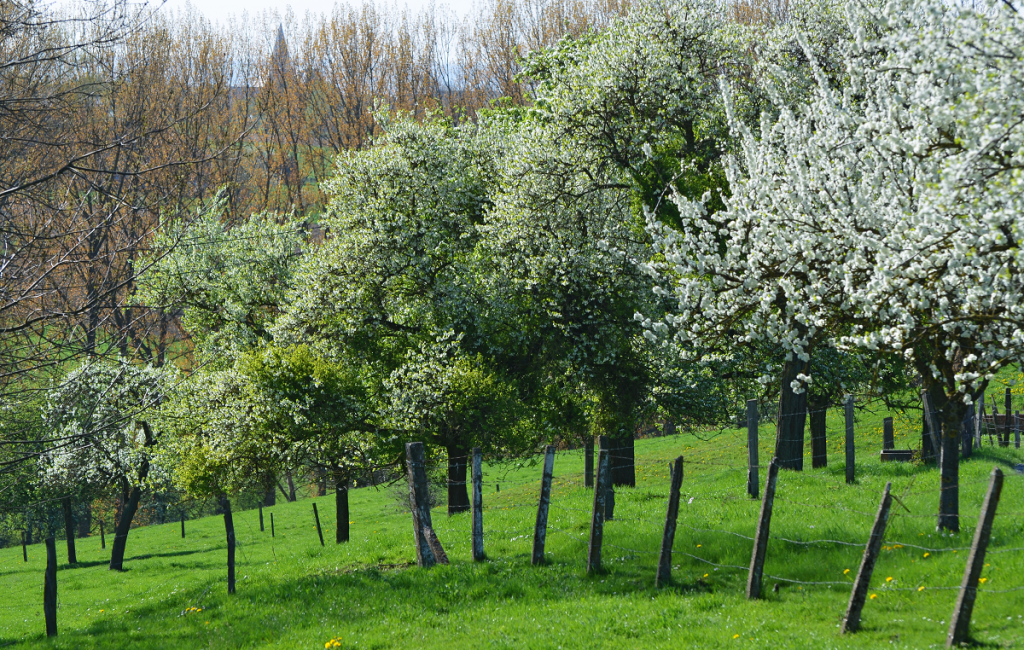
x=369 y=594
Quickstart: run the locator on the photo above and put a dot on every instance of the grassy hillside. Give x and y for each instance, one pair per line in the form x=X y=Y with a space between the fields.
x=368 y=594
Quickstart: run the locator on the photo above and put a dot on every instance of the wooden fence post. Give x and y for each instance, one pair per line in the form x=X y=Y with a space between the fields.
x=752 y=468
x=183 y=524
x=419 y=503
x=979 y=415
x=604 y=479
x=588 y=462
x=850 y=458
x=103 y=537
x=1016 y=430
x=540 y=530
x=930 y=448
x=50 y=588
x=763 y=528
x=272 y=524
x=1004 y=441
x=229 y=528
x=319 y=532
x=24 y=548
x=960 y=623
x=605 y=444
x=851 y=622
x=261 y=520
x=69 y=529
x=967 y=433
x=478 y=506
x=668 y=538
x=888 y=435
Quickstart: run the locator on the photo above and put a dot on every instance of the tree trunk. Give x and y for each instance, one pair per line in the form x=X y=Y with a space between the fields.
x=291 y=487
x=341 y=508
x=458 y=491
x=789 y=436
x=949 y=416
x=270 y=497
x=85 y=522
x=124 y=524
x=819 y=444
x=69 y=530
x=623 y=461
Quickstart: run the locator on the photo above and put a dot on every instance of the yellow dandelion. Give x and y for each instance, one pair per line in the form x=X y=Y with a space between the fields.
x=920 y=588
x=927 y=554
x=873 y=596
x=982 y=580
x=845 y=571
x=735 y=636
x=705 y=575
x=698 y=545
x=889 y=579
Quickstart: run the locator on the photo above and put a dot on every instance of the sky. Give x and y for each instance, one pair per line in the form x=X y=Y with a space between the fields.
x=220 y=10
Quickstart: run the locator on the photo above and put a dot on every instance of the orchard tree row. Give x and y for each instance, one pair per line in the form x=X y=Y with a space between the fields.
x=692 y=209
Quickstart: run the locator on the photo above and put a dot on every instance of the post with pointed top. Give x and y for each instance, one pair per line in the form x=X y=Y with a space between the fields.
x=960 y=623
x=540 y=530
x=849 y=440
x=50 y=588
x=764 y=523
x=604 y=479
x=664 y=575
x=851 y=622
x=752 y=468
x=478 y=506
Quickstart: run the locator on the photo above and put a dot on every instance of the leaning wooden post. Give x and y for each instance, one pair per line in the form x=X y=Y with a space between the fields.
x=888 y=435
x=272 y=524
x=50 y=588
x=229 y=528
x=668 y=538
x=540 y=530
x=261 y=519
x=763 y=528
x=851 y=622
x=319 y=531
x=478 y=506
x=752 y=468
x=69 y=529
x=849 y=440
x=419 y=502
x=604 y=479
x=959 y=625
x=588 y=462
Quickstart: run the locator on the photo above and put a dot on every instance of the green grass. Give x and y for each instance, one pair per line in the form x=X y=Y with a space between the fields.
x=294 y=594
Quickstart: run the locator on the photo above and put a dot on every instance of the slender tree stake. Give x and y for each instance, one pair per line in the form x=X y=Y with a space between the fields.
x=540 y=530
x=319 y=532
x=960 y=623
x=261 y=519
x=50 y=588
x=588 y=462
x=604 y=478
x=931 y=428
x=103 y=537
x=851 y=622
x=850 y=459
x=183 y=524
x=761 y=538
x=272 y=524
x=229 y=528
x=605 y=443
x=478 y=506
x=1016 y=430
x=1004 y=441
x=752 y=467
x=668 y=538
x=24 y=548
